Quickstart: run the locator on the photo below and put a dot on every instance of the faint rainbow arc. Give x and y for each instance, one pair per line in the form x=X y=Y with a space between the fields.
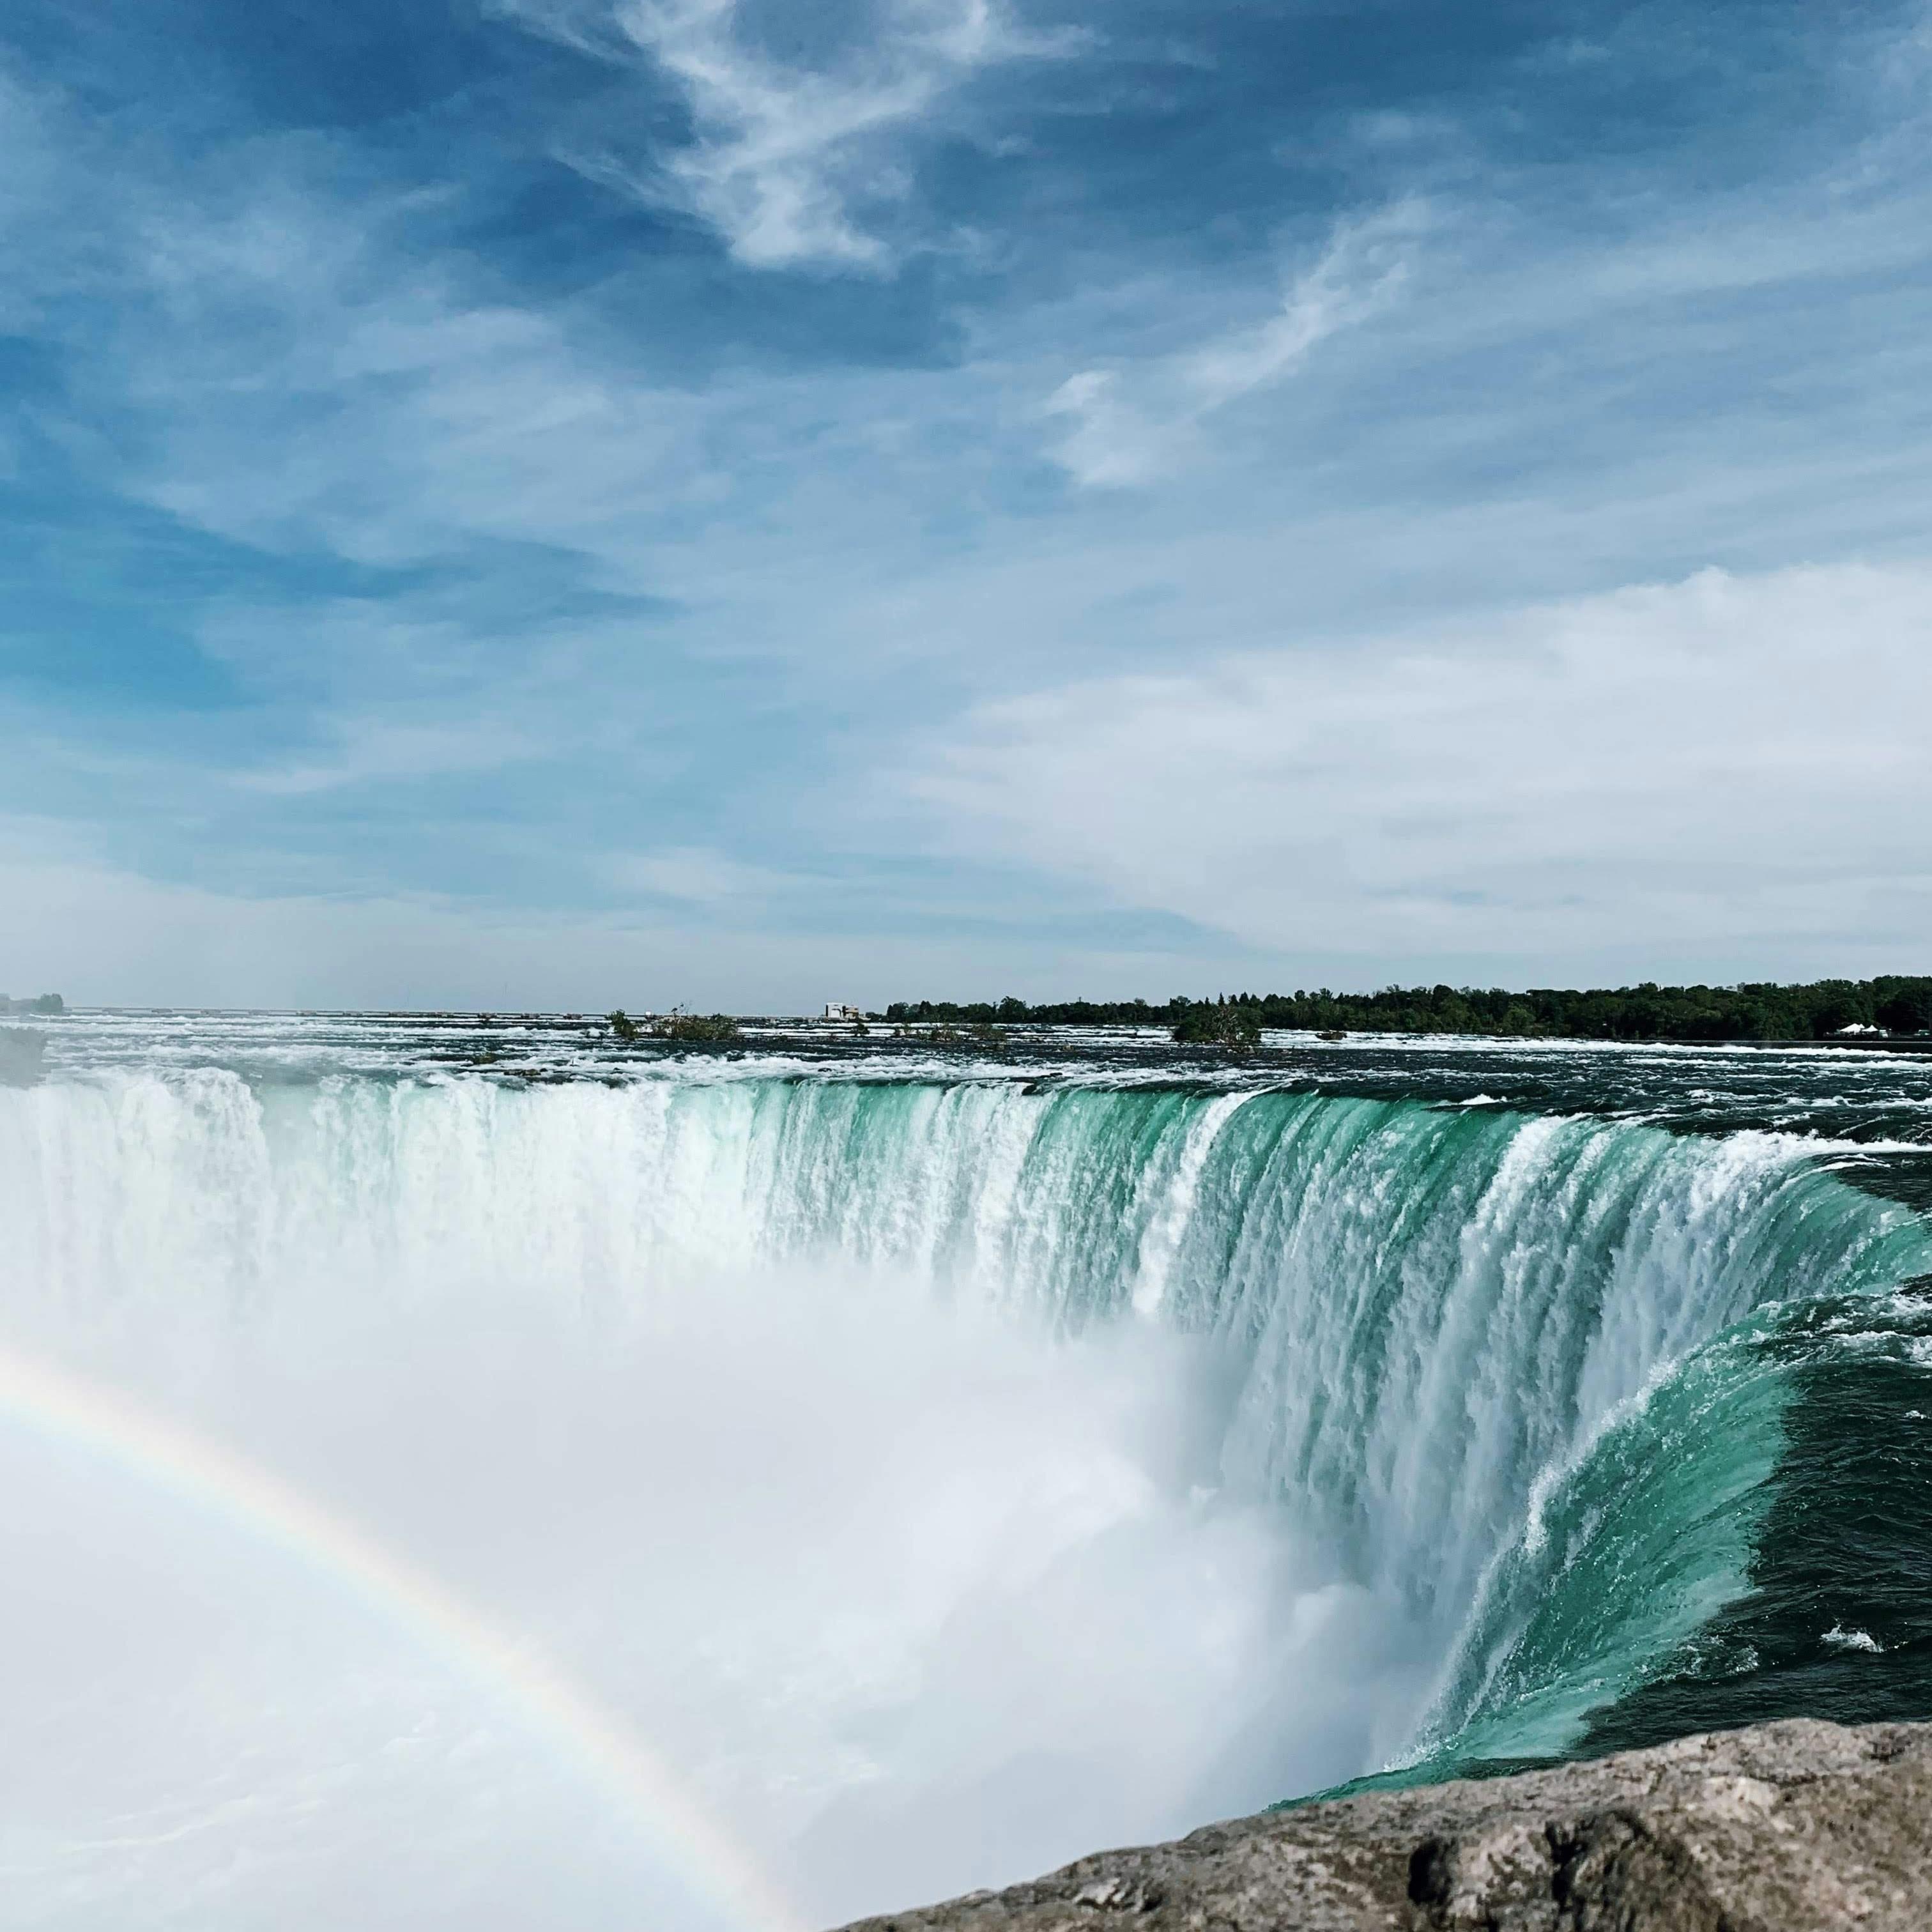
x=203 y=1472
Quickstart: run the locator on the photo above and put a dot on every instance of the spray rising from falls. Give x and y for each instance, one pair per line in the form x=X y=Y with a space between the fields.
x=1497 y=1382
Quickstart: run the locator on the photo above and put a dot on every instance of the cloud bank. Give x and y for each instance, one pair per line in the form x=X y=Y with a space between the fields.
x=1719 y=769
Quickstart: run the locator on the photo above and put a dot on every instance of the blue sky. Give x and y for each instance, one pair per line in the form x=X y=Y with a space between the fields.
x=556 y=502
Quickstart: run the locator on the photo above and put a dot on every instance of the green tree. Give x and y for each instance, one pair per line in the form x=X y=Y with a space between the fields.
x=698 y=1029
x=1234 y=1026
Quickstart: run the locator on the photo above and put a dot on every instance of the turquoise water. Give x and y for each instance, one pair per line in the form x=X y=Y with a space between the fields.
x=1619 y=1401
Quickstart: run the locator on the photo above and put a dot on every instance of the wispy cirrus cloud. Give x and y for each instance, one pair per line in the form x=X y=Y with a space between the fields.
x=1129 y=425
x=788 y=158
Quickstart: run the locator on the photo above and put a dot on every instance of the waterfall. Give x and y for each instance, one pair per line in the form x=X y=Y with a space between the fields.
x=1507 y=1377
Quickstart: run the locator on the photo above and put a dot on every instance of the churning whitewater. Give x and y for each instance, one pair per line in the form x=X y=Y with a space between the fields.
x=939 y=1471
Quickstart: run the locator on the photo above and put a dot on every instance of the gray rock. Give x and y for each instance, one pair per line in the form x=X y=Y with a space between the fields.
x=1781 y=1828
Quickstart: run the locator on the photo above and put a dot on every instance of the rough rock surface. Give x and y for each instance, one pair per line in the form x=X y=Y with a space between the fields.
x=1781 y=1828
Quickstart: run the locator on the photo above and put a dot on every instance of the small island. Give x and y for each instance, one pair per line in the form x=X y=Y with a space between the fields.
x=685 y=1029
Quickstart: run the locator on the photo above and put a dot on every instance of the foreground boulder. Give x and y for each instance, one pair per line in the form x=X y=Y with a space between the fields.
x=1784 y=1828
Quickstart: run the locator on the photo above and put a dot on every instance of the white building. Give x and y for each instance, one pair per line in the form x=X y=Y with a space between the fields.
x=835 y=1011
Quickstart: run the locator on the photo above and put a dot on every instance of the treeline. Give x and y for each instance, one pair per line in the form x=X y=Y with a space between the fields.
x=41 y=1002
x=1892 y=1003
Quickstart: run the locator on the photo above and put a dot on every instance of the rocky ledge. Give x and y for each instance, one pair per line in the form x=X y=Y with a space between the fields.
x=1784 y=1827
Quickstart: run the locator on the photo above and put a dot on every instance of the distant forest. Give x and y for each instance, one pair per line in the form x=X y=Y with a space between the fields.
x=1893 y=1004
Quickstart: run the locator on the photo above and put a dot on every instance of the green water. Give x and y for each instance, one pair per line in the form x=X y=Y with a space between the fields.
x=1606 y=1368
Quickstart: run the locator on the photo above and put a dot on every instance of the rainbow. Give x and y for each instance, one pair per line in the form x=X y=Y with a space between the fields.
x=100 y=1421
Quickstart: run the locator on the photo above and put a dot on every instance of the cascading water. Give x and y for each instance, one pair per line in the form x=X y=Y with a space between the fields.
x=954 y=1472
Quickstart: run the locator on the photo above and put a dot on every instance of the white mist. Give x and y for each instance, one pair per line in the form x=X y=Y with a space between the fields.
x=914 y=1594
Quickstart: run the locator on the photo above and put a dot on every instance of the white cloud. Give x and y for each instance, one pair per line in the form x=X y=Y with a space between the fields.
x=697 y=875
x=102 y=934
x=1719 y=768
x=404 y=417
x=787 y=157
x=1108 y=442
x=1131 y=432
x=1365 y=263
x=369 y=748
x=294 y=371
